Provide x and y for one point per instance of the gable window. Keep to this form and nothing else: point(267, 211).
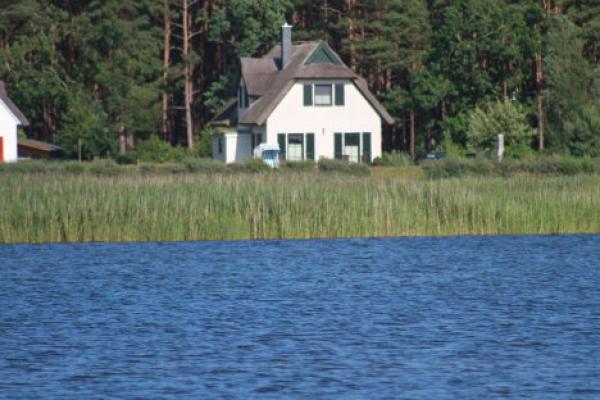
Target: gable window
point(243, 100)
point(323, 95)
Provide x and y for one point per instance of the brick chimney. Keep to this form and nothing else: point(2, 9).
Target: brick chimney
point(286, 45)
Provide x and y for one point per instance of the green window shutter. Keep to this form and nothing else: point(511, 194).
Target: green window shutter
point(367, 147)
point(340, 97)
point(308, 95)
point(281, 142)
point(310, 146)
point(338, 146)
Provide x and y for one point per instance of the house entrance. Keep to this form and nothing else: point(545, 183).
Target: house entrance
point(1, 149)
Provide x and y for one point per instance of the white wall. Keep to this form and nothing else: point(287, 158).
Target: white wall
point(8, 131)
point(236, 147)
point(357, 115)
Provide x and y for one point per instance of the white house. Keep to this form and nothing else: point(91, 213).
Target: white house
point(10, 118)
point(305, 99)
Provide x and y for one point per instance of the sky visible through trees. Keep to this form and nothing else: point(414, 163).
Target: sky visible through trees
point(112, 74)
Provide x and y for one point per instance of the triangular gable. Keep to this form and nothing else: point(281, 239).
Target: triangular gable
point(6, 109)
point(323, 55)
point(10, 107)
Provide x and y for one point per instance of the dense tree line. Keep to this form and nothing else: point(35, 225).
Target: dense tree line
point(107, 74)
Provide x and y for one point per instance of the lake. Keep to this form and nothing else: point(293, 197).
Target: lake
point(514, 317)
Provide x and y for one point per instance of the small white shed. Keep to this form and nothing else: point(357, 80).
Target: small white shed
point(10, 118)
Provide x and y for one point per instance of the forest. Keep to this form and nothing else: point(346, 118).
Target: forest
point(107, 76)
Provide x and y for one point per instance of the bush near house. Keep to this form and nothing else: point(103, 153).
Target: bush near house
point(549, 165)
point(337, 166)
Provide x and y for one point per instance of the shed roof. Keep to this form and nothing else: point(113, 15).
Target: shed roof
point(39, 145)
point(11, 106)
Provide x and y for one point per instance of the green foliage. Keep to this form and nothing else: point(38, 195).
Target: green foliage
point(203, 147)
point(304, 166)
point(105, 167)
point(74, 167)
point(204, 165)
point(569, 83)
point(396, 159)
point(85, 123)
point(500, 118)
point(155, 150)
point(548, 165)
point(251, 166)
point(342, 167)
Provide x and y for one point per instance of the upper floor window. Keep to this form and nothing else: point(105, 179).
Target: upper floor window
point(324, 94)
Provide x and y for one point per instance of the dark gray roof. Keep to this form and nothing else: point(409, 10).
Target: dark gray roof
point(264, 80)
point(11, 106)
point(283, 80)
point(227, 115)
point(325, 71)
point(258, 74)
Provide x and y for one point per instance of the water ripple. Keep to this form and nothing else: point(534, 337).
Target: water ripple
point(515, 317)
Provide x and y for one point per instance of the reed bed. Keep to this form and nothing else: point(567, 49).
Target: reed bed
point(81, 208)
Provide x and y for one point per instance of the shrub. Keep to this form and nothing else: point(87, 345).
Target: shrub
point(204, 165)
point(304, 166)
point(149, 168)
point(252, 166)
point(176, 168)
point(338, 166)
point(105, 167)
point(31, 167)
point(378, 162)
point(74, 167)
point(396, 159)
point(500, 117)
point(559, 165)
point(552, 165)
point(155, 150)
point(126, 159)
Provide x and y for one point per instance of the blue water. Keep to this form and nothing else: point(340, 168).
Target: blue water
point(427, 318)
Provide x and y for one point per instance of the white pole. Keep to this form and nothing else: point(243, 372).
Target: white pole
point(500, 147)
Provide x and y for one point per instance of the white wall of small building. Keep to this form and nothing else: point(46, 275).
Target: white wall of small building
point(8, 131)
point(356, 115)
point(235, 147)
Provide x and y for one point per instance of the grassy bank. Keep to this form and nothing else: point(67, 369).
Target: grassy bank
point(138, 207)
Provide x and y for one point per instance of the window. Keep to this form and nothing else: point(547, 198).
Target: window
point(243, 100)
point(295, 148)
point(348, 146)
point(352, 146)
point(323, 95)
point(220, 145)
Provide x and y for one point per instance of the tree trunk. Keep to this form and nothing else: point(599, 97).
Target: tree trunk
point(166, 63)
point(539, 79)
point(122, 140)
point(412, 135)
point(350, 33)
point(189, 84)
